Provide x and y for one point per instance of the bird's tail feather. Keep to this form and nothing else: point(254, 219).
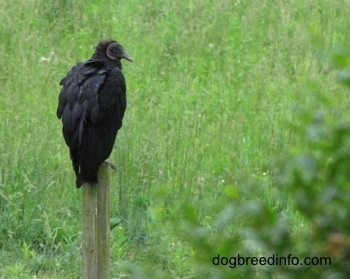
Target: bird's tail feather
point(79, 182)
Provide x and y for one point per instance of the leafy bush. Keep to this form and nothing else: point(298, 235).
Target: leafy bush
point(311, 185)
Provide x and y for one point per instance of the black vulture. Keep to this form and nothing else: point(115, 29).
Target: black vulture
point(91, 104)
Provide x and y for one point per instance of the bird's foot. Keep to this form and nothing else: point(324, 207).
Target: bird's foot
point(112, 165)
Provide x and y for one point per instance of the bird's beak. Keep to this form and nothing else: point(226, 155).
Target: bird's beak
point(127, 56)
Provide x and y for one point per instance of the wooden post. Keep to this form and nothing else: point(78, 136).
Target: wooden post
point(96, 227)
point(103, 226)
point(89, 232)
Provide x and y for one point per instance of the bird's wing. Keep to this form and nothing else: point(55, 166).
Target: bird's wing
point(112, 99)
point(78, 100)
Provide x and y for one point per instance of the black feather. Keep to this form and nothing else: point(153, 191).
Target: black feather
point(91, 104)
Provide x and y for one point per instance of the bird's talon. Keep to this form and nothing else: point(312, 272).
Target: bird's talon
point(112, 165)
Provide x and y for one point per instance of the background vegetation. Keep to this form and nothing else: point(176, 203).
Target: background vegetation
point(235, 138)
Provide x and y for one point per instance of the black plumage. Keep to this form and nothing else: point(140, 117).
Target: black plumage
point(91, 104)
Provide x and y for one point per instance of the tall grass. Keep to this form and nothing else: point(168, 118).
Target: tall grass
point(211, 99)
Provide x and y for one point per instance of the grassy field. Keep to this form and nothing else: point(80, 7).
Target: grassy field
point(213, 96)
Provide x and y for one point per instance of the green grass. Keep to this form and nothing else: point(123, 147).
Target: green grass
point(212, 98)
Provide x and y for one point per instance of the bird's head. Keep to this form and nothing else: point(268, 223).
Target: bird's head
point(111, 50)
